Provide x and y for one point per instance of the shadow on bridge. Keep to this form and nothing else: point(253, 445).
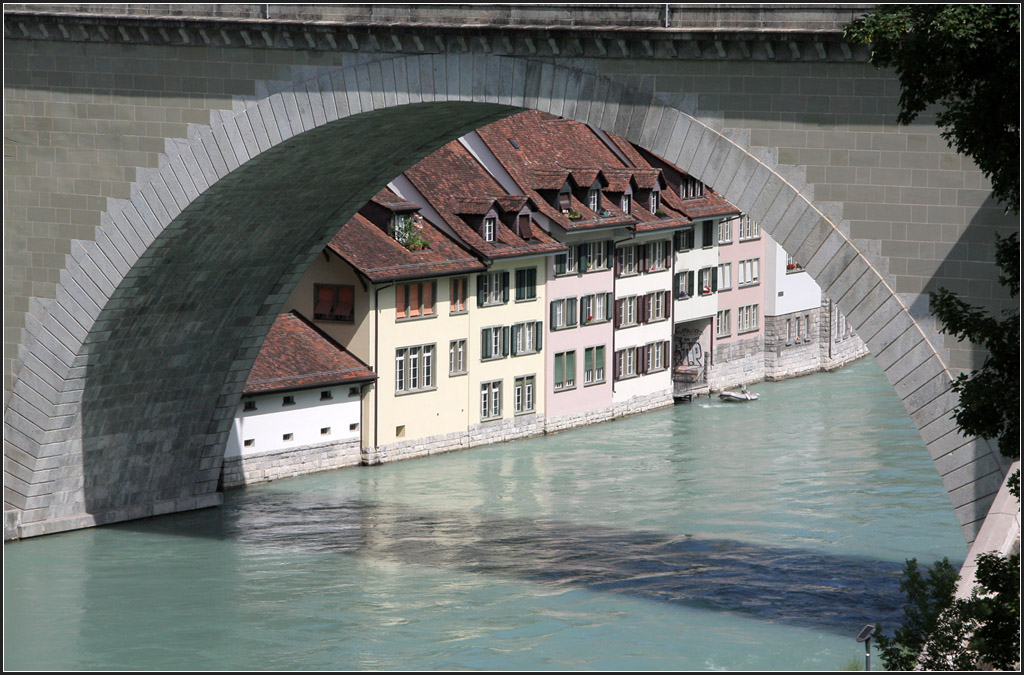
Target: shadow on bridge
point(788, 585)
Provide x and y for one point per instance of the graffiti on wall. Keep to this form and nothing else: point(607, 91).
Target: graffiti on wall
point(687, 349)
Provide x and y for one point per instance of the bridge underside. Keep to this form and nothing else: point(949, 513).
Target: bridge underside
point(131, 372)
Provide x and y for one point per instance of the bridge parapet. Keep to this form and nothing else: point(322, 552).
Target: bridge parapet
point(730, 32)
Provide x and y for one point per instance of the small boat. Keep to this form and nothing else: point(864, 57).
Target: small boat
point(739, 396)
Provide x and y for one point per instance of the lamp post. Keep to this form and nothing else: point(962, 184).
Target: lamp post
point(865, 636)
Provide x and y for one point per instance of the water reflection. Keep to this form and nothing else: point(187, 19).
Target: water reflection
point(837, 593)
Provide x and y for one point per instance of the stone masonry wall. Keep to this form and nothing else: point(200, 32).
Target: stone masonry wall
point(736, 363)
point(510, 429)
point(837, 348)
point(269, 466)
point(786, 355)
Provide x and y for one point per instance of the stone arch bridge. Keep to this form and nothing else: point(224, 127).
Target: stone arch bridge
point(169, 178)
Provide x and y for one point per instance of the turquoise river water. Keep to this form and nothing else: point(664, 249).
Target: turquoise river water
point(706, 536)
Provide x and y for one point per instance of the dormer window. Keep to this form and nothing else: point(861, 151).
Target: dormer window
point(690, 188)
point(655, 201)
point(523, 225)
point(490, 226)
point(627, 203)
point(594, 199)
point(564, 198)
point(401, 227)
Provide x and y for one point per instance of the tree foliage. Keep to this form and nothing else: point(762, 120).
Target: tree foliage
point(966, 59)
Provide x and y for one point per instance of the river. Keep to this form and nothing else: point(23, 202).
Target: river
point(705, 536)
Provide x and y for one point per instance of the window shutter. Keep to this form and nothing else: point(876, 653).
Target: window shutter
point(559, 369)
point(520, 285)
point(668, 304)
point(676, 238)
point(480, 289)
point(714, 279)
point(618, 313)
point(504, 340)
point(668, 254)
point(676, 284)
point(570, 365)
point(665, 355)
point(539, 336)
point(516, 332)
point(485, 346)
point(641, 254)
point(616, 366)
point(588, 360)
point(560, 263)
point(641, 308)
point(642, 357)
point(551, 311)
point(689, 283)
point(570, 311)
point(608, 304)
point(609, 252)
point(504, 286)
point(583, 310)
point(531, 277)
point(581, 258)
point(618, 263)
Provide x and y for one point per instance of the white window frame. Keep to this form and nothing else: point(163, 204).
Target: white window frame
point(490, 228)
point(627, 203)
point(524, 336)
point(655, 201)
point(655, 355)
point(494, 293)
point(723, 323)
point(749, 229)
point(725, 231)
point(749, 272)
point(595, 262)
point(628, 262)
point(656, 309)
point(524, 394)
point(625, 361)
point(656, 257)
point(724, 276)
point(457, 357)
point(570, 262)
point(747, 318)
point(414, 369)
point(490, 400)
point(594, 200)
point(596, 375)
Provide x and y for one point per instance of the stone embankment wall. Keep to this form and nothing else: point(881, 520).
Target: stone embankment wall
point(780, 354)
point(250, 469)
point(240, 471)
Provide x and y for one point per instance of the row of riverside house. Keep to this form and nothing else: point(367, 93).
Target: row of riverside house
point(568, 277)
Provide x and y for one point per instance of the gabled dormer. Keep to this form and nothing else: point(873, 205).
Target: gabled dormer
point(481, 214)
point(516, 212)
point(589, 185)
point(649, 183)
point(394, 215)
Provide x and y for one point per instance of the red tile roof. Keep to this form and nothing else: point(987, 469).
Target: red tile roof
point(710, 205)
point(380, 258)
point(455, 184)
point(550, 149)
point(298, 355)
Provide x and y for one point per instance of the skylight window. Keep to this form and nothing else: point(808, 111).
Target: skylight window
point(513, 142)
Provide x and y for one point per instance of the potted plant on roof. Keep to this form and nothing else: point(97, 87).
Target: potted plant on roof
point(660, 213)
point(574, 214)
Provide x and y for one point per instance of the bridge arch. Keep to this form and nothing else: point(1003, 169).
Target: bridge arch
point(131, 375)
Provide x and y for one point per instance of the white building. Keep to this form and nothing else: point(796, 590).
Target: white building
point(300, 409)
